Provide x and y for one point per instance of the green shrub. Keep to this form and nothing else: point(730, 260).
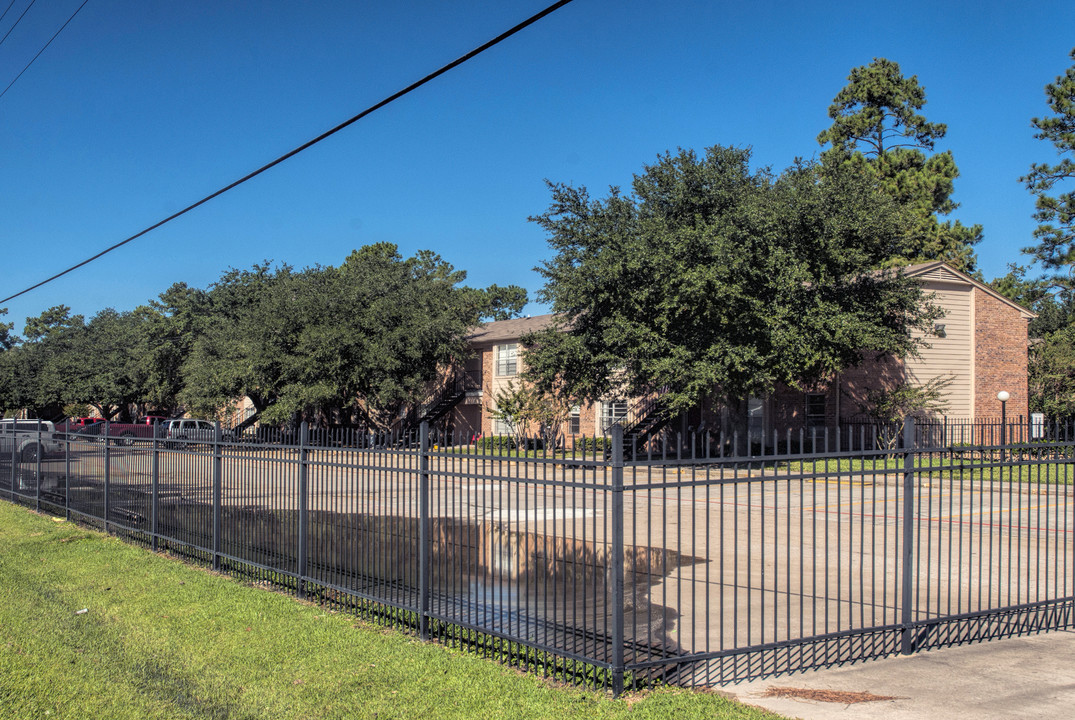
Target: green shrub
point(495, 444)
point(591, 444)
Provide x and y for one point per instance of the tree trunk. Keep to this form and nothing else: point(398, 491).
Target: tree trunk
point(737, 426)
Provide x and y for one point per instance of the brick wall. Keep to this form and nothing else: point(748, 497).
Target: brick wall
point(787, 406)
point(487, 389)
point(872, 375)
point(1000, 356)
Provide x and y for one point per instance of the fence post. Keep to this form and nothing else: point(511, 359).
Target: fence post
point(425, 549)
point(14, 454)
point(108, 472)
point(67, 473)
point(37, 469)
point(218, 495)
point(906, 634)
point(304, 440)
point(155, 496)
point(616, 562)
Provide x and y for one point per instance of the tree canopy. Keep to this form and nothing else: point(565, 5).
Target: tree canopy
point(1055, 308)
point(712, 279)
point(352, 343)
point(7, 341)
point(1055, 208)
point(35, 367)
point(100, 366)
point(65, 361)
point(1052, 374)
point(169, 328)
point(379, 328)
point(877, 125)
point(6, 338)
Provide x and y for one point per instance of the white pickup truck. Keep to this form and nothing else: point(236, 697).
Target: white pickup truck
point(28, 439)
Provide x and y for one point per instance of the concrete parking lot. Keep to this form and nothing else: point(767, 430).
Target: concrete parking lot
point(1015, 678)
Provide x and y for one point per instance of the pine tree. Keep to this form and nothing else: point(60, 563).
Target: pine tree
point(876, 124)
point(1056, 213)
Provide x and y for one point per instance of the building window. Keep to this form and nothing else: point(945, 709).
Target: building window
point(815, 410)
point(502, 427)
point(574, 421)
point(507, 359)
point(756, 416)
point(612, 412)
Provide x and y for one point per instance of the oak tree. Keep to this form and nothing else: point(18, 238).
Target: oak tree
point(709, 279)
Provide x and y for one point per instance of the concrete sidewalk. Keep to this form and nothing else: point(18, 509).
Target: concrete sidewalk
point(1022, 677)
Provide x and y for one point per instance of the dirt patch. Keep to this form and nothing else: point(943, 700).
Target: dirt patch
point(842, 697)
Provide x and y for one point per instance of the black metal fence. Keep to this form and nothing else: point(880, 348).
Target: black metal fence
point(944, 431)
point(609, 565)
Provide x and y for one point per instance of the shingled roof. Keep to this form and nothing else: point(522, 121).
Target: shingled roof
point(507, 330)
point(504, 330)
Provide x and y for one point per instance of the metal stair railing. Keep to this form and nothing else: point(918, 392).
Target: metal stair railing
point(442, 399)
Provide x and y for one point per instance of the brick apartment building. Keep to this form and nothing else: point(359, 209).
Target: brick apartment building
point(980, 346)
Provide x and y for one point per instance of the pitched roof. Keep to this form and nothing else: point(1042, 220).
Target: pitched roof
point(508, 330)
point(513, 329)
point(941, 271)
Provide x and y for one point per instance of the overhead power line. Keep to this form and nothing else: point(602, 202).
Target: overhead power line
point(2, 94)
point(17, 21)
point(288, 155)
point(6, 10)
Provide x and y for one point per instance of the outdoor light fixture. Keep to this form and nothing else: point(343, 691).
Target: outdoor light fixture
point(938, 330)
point(1003, 396)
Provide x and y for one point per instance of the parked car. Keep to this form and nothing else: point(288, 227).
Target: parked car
point(76, 424)
point(151, 420)
point(28, 439)
point(124, 433)
point(183, 431)
point(140, 429)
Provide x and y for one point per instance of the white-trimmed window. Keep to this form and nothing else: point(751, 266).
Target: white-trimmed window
point(507, 359)
point(612, 412)
point(574, 421)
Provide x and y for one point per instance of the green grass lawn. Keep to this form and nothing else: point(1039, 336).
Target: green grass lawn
point(974, 466)
point(95, 628)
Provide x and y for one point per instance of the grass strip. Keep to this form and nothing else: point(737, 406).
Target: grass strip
point(95, 628)
point(978, 467)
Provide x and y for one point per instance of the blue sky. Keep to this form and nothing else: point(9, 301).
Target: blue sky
point(139, 109)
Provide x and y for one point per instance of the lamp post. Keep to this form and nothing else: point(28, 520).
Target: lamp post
point(1003, 396)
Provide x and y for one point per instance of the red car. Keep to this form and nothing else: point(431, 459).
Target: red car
point(76, 424)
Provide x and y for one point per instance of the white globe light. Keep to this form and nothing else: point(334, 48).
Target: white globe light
point(1003, 395)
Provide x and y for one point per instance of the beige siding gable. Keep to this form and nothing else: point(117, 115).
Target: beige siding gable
point(939, 272)
point(952, 355)
point(942, 273)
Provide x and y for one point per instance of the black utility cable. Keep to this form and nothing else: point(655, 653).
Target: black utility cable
point(414, 86)
point(17, 21)
point(9, 5)
point(2, 94)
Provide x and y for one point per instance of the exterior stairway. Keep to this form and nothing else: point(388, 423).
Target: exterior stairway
point(441, 401)
point(643, 423)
